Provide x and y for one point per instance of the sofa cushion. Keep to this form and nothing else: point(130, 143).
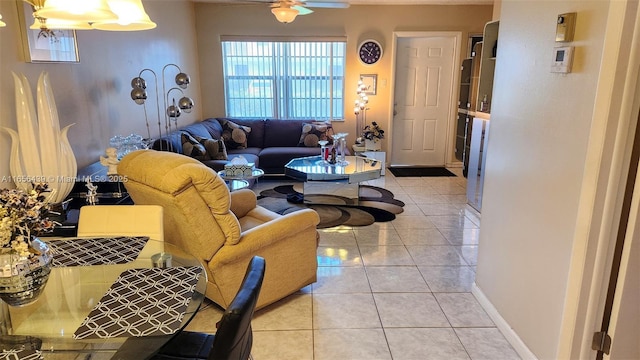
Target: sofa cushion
point(255, 137)
point(171, 142)
point(197, 129)
point(282, 133)
point(215, 148)
point(249, 150)
point(314, 132)
point(235, 136)
point(273, 159)
point(213, 127)
point(192, 147)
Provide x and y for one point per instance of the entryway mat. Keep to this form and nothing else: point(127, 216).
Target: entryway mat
point(412, 171)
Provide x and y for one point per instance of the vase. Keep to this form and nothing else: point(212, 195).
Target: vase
point(372, 145)
point(22, 279)
point(40, 150)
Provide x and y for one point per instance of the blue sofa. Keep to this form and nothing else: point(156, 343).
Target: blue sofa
point(271, 143)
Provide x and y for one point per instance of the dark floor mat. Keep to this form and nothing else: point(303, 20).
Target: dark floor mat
point(399, 171)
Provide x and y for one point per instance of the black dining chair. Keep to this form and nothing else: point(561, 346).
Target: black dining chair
point(233, 339)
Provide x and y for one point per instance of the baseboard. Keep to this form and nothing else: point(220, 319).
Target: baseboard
point(506, 330)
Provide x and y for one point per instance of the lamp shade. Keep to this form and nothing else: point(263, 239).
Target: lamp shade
point(85, 10)
point(57, 24)
point(139, 95)
point(131, 17)
point(183, 80)
point(285, 14)
point(173, 111)
point(138, 82)
point(186, 104)
point(2, 22)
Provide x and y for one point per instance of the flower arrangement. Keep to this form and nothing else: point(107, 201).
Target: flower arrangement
point(373, 132)
point(23, 214)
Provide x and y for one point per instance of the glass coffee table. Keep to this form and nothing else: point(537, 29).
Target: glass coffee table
point(321, 178)
point(237, 182)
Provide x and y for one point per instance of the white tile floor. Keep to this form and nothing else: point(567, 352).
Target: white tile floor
point(395, 290)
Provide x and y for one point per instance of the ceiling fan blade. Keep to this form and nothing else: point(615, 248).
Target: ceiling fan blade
point(327, 4)
point(302, 10)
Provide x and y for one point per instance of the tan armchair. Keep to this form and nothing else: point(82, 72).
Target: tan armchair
point(224, 230)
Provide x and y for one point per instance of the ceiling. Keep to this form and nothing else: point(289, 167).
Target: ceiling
point(377, 2)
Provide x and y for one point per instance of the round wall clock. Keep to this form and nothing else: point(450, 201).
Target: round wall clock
point(369, 52)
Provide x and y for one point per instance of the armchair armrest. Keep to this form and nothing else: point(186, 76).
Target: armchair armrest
point(268, 233)
point(243, 201)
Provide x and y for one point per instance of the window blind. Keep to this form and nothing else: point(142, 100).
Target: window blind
point(284, 79)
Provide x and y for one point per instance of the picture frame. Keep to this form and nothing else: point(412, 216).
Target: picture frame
point(370, 82)
point(45, 49)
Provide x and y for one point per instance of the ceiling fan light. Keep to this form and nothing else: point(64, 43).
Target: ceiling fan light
point(285, 14)
point(85, 10)
point(131, 17)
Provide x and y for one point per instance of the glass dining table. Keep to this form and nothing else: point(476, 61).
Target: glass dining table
point(66, 322)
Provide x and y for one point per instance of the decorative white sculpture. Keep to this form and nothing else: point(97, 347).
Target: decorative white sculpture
point(40, 151)
point(92, 193)
point(111, 161)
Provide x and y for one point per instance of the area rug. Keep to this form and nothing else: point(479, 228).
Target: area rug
point(375, 205)
point(400, 171)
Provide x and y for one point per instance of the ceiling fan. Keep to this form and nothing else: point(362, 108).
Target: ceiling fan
point(286, 11)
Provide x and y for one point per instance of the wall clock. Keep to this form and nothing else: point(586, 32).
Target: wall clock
point(369, 52)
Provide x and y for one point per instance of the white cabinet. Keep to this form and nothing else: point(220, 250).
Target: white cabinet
point(487, 66)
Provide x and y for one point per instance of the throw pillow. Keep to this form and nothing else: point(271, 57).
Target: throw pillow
point(215, 148)
point(314, 132)
point(234, 135)
point(191, 147)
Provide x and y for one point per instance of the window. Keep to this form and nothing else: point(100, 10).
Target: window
point(284, 79)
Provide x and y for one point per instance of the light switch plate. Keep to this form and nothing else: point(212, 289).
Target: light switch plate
point(565, 27)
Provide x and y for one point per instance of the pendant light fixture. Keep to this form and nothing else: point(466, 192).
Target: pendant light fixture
point(114, 15)
point(85, 10)
point(57, 24)
point(131, 17)
point(284, 14)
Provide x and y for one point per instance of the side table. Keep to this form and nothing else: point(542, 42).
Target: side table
point(236, 182)
point(378, 155)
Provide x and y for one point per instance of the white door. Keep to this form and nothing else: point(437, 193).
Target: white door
point(423, 99)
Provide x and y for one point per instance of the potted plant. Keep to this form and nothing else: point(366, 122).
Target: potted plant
point(25, 260)
point(372, 135)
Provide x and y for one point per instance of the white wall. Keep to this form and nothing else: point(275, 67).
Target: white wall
point(537, 151)
point(94, 94)
point(356, 23)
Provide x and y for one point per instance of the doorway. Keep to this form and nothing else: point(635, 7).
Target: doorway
point(424, 100)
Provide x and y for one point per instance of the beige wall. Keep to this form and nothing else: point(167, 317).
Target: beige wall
point(356, 23)
point(541, 126)
point(94, 94)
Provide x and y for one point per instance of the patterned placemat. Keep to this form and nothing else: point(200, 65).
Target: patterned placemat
point(96, 251)
point(142, 302)
point(26, 354)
